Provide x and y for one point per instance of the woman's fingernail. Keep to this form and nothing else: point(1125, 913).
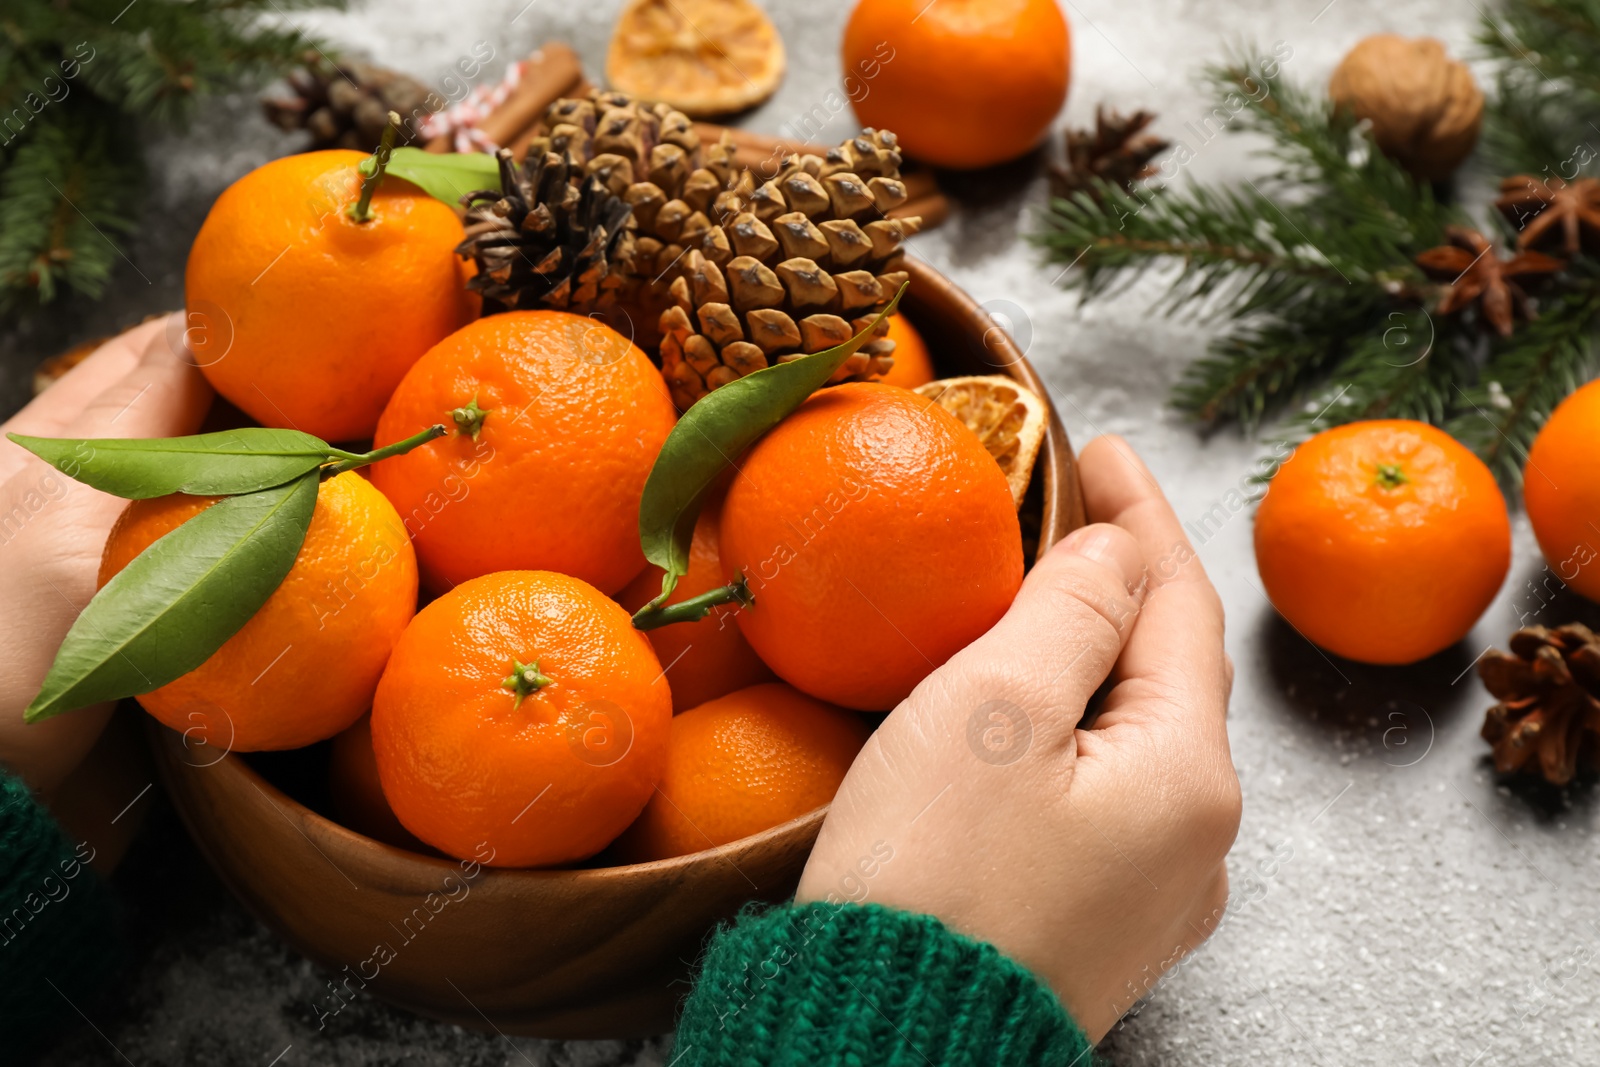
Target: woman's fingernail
point(1093, 542)
point(1113, 549)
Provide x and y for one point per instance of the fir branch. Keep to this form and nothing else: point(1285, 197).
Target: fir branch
point(1265, 363)
point(1331, 165)
point(1358, 218)
point(1233, 243)
point(1531, 130)
point(67, 195)
point(1382, 378)
point(1547, 90)
point(1309, 262)
point(172, 54)
point(1527, 376)
point(74, 77)
point(1558, 39)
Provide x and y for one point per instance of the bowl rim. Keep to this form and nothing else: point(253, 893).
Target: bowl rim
point(246, 775)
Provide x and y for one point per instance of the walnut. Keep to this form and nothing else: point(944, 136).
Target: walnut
point(1424, 107)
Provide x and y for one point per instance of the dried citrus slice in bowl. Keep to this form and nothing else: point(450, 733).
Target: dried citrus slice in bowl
point(703, 57)
point(1008, 419)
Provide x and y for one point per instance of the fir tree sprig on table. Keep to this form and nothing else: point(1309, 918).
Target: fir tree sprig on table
point(1311, 270)
point(1540, 121)
point(1306, 263)
point(76, 82)
point(1531, 372)
point(1547, 87)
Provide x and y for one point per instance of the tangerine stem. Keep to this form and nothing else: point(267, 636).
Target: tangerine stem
point(695, 608)
point(361, 210)
point(524, 681)
point(399, 448)
point(1390, 476)
point(469, 417)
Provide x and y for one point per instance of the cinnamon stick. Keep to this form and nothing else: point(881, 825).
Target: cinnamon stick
point(519, 144)
point(919, 183)
point(933, 208)
point(552, 72)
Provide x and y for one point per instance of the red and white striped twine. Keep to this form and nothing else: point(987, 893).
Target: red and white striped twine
point(460, 122)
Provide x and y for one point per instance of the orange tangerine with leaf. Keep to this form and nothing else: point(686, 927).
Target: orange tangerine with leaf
point(709, 657)
point(306, 314)
point(305, 666)
point(878, 537)
point(556, 421)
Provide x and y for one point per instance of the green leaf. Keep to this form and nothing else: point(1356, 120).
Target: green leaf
point(714, 432)
point(210, 464)
point(446, 176)
point(179, 600)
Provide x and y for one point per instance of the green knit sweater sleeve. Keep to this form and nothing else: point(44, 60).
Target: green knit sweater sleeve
point(59, 940)
point(864, 984)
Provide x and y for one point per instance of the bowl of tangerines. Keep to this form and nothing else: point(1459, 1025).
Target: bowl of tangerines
point(564, 528)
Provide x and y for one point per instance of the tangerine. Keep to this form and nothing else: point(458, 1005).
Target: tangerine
point(357, 794)
point(305, 665)
point(523, 715)
point(913, 366)
point(1561, 490)
point(1383, 541)
point(743, 763)
point(558, 419)
point(962, 83)
point(878, 537)
point(304, 317)
point(707, 658)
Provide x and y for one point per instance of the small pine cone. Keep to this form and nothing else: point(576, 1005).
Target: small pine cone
point(797, 264)
point(345, 104)
point(550, 236)
point(1548, 718)
point(1118, 150)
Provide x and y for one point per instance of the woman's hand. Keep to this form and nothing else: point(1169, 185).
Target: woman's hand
point(52, 528)
point(1093, 855)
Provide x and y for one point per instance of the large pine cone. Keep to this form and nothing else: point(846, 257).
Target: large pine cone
point(791, 266)
point(651, 157)
point(1548, 718)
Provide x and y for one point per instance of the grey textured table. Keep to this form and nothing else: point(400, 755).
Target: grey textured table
point(1394, 904)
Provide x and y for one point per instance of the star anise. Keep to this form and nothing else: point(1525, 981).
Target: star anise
point(1548, 718)
point(1477, 274)
point(1546, 210)
point(1116, 151)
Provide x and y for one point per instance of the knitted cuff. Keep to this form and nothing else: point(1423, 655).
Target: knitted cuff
point(845, 983)
point(59, 941)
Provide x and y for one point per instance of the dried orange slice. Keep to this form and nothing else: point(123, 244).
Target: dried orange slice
point(1008, 419)
point(703, 57)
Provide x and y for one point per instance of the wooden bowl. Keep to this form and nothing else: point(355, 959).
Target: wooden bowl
point(587, 953)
